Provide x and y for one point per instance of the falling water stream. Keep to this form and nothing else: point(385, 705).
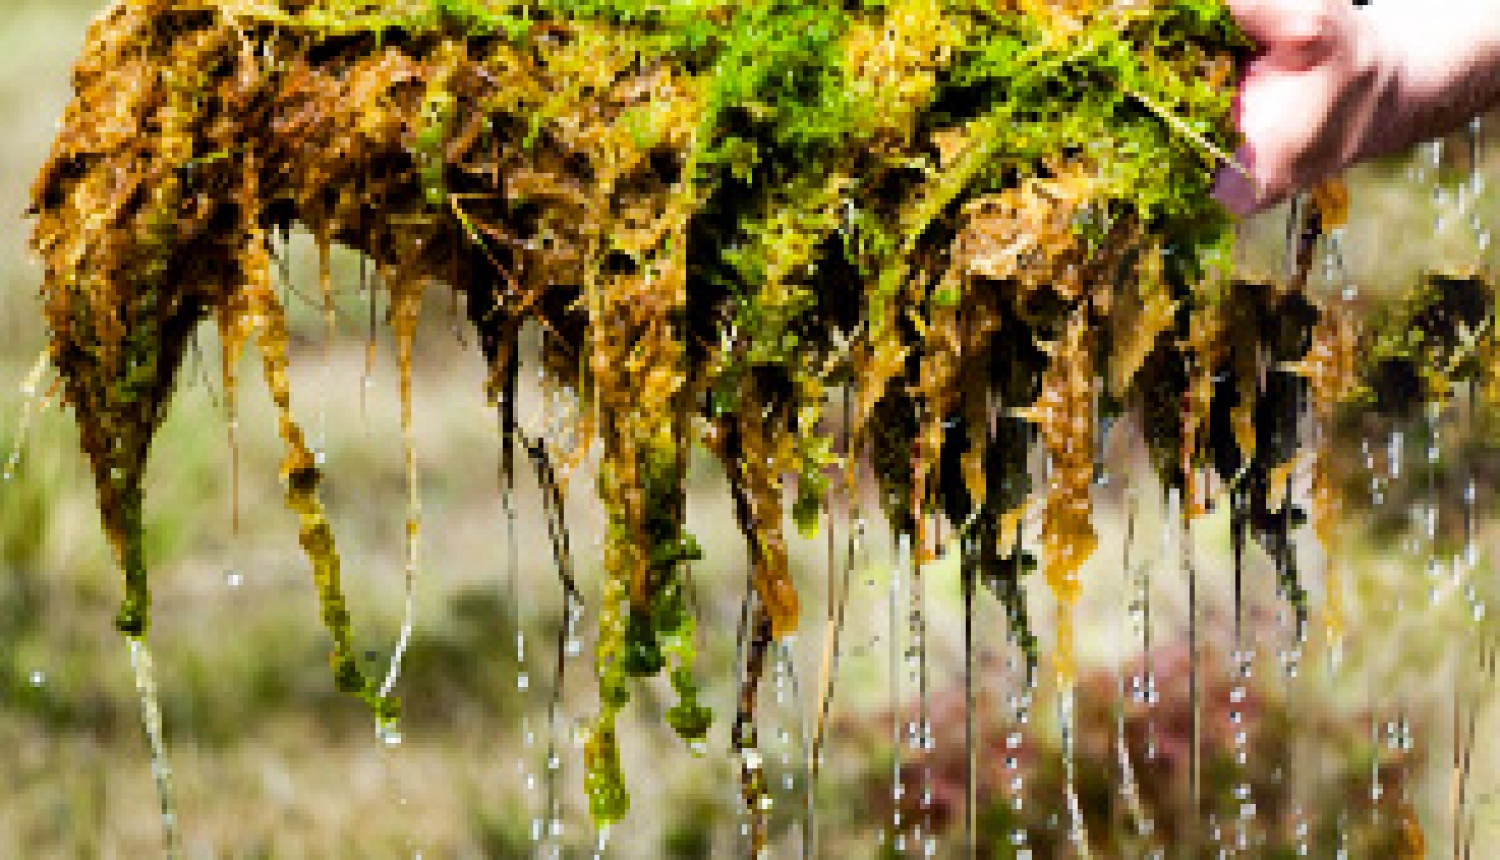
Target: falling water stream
point(31, 391)
point(161, 769)
point(405, 311)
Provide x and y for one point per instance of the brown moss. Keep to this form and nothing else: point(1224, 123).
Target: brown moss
point(715, 218)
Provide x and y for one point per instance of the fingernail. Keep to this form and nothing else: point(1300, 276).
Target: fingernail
point(1238, 192)
point(1233, 191)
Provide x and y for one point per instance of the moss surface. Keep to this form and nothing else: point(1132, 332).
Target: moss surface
point(990, 221)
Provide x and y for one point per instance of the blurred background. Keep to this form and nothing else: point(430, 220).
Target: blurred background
point(271, 762)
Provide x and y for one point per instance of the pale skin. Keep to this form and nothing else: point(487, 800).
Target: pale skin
point(1332, 84)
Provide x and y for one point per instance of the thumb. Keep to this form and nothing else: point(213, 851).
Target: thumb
point(1260, 19)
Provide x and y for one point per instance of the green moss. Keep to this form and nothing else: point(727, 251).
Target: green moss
point(718, 212)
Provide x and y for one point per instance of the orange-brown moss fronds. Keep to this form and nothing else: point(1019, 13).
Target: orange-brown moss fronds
point(121, 305)
point(742, 445)
point(1204, 352)
point(1064, 413)
point(712, 212)
point(300, 475)
point(1332, 370)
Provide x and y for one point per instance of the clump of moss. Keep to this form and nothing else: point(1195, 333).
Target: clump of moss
point(990, 221)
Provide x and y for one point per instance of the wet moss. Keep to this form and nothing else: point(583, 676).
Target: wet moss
point(990, 221)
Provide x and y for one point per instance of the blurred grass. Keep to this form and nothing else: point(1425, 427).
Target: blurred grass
point(272, 763)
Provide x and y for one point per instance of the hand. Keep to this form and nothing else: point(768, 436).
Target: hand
point(1306, 99)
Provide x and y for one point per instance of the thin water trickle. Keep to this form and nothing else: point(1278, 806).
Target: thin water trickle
point(1068, 725)
point(161, 769)
point(839, 576)
point(1243, 659)
point(406, 306)
point(790, 780)
point(921, 730)
point(330, 332)
point(1195, 756)
point(1020, 707)
point(1135, 591)
point(969, 575)
point(895, 602)
point(30, 391)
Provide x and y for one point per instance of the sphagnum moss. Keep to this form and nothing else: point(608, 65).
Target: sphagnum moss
point(989, 221)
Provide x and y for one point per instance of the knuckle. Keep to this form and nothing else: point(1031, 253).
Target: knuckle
point(1310, 28)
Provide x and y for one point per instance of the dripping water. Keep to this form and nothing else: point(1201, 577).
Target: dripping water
point(1244, 657)
point(1290, 589)
point(1145, 683)
point(1471, 542)
point(1376, 500)
point(557, 530)
point(29, 410)
point(1481, 242)
point(1020, 705)
point(838, 597)
point(742, 647)
point(393, 672)
point(788, 691)
point(325, 285)
point(506, 397)
point(1463, 751)
point(969, 576)
point(1184, 523)
point(1476, 184)
point(368, 285)
point(231, 341)
point(757, 800)
point(780, 738)
point(1129, 790)
point(1464, 740)
point(407, 311)
point(161, 769)
point(1067, 717)
point(903, 558)
point(919, 733)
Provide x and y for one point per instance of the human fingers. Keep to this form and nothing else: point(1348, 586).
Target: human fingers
point(1292, 34)
point(1286, 122)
